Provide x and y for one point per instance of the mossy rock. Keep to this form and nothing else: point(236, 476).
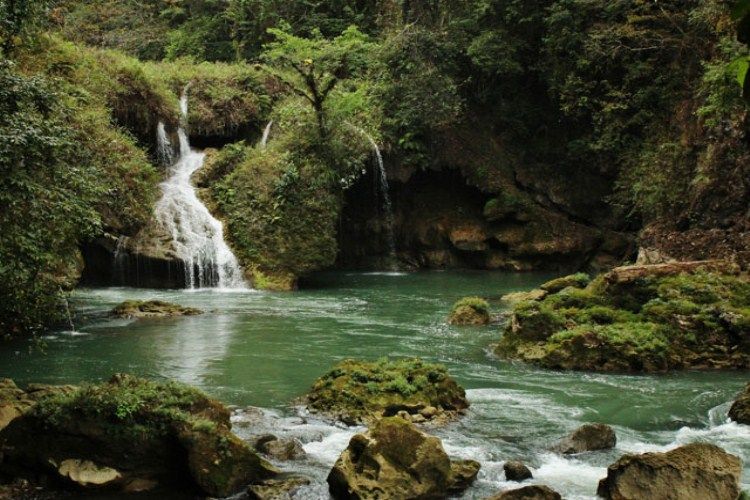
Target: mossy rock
point(639, 322)
point(141, 433)
point(358, 392)
point(740, 410)
point(518, 297)
point(152, 309)
point(394, 459)
point(470, 311)
point(580, 280)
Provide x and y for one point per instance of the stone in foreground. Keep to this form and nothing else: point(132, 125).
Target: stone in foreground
point(588, 437)
point(394, 459)
point(516, 471)
point(358, 392)
point(533, 492)
point(130, 435)
point(696, 471)
point(152, 309)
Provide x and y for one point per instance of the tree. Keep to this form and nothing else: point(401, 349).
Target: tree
point(18, 17)
point(741, 14)
point(313, 67)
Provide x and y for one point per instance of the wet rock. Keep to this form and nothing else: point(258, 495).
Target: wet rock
point(516, 297)
point(579, 280)
point(394, 459)
point(280, 488)
point(86, 473)
point(533, 492)
point(469, 237)
point(690, 472)
point(516, 471)
point(470, 311)
point(588, 437)
point(739, 412)
point(279, 449)
point(147, 433)
point(15, 401)
point(152, 309)
point(361, 392)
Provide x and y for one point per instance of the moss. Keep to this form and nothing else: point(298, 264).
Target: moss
point(149, 308)
point(358, 391)
point(470, 311)
point(653, 323)
point(579, 280)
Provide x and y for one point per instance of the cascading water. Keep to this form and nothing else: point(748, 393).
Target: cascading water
point(197, 237)
point(164, 151)
point(266, 135)
point(384, 189)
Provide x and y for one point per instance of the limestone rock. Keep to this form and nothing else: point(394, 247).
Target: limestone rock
point(470, 311)
point(696, 471)
point(394, 459)
point(516, 471)
point(469, 238)
point(588, 437)
point(88, 474)
point(356, 392)
point(152, 309)
point(516, 297)
point(740, 410)
point(282, 487)
point(279, 449)
point(533, 492)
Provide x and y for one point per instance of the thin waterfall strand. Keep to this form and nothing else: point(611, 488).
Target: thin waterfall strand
point(266, 135)
point(197, 237)
point(164, 151)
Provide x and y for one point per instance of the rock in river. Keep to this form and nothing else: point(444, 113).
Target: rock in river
point(588, 437)
point(740, 410)
point(130, 434)
point(394, 459)
point(152, 309)
point(362, 392)
point(533, 492)
point(696, 471)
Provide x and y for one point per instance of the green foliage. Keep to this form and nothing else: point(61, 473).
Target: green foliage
point(479, 304)
point(19, 18)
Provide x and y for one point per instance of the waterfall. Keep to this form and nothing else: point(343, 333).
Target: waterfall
point(266, 135)
point(197, 237)
point(164, 151)
point(384, 189)
point(67, 311)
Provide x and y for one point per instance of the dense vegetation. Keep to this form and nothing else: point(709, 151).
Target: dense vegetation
point(620, 115)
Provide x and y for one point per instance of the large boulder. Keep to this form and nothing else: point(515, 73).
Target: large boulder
point(696, 471)
point(740, 410)
point(532, 492)
point(394, 459)
point(131, 434)
point(362, 392)
point(516, 471)
point(470, 311)
point(588, 437)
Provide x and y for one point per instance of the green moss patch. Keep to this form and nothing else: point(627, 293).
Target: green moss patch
point(658, 323)
point(152, 308)
point(470, 311)
point(359, 391)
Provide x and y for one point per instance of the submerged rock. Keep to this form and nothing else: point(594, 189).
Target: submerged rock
point(533, 492)
point(740, 410)
point(152, 309)
point(470, 311)
point(394, 459)
point(588, 437)
point(690, 472)
point(359, 392)
point(131, 434)
point(516, 471)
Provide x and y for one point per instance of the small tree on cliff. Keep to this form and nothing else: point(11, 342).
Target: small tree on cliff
point(313, 67)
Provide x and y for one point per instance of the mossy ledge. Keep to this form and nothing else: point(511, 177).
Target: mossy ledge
point(693, 315)
point(470, 311)
point(144, 434)
point(358, 392)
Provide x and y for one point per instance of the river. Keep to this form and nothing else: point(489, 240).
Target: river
point(265, 349)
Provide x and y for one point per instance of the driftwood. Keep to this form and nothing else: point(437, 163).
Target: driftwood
point(628, 274)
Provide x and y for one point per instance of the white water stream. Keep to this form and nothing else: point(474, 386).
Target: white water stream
point(266, 135)
point(197, 236)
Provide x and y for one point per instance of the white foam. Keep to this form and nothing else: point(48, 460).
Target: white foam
point(327, 450)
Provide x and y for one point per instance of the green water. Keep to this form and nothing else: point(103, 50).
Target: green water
point(265, 350)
